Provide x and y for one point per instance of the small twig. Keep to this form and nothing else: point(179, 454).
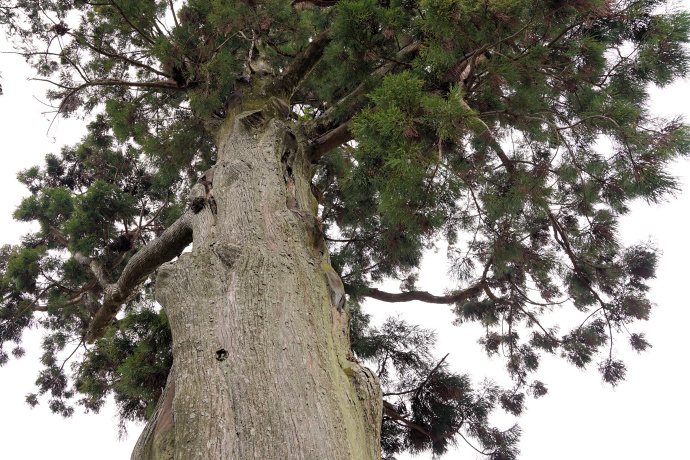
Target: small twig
point(420, 387)
point(14, 318)
point(389, 409)
point(71, 354)
point(174, 15)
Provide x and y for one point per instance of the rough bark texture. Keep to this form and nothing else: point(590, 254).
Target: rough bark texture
point(260, 330)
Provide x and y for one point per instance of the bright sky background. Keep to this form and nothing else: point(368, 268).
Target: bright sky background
point(645, 417)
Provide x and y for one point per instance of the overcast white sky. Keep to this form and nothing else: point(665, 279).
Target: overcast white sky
point(644, 417)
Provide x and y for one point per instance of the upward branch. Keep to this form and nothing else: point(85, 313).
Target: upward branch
point(328, 136)
point(300, 67)
point(163, 249)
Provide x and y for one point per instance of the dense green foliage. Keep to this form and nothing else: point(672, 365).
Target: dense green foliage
point(516, 130)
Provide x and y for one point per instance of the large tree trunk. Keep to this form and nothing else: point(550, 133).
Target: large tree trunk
point(260, 329)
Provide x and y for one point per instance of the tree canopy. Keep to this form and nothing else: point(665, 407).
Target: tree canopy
point(516, 131)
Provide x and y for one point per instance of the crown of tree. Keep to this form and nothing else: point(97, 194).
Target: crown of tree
point(515, 131)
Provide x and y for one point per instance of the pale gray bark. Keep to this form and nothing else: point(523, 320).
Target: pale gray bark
point(260, 335)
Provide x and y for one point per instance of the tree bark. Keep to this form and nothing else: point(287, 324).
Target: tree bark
point(259, 323)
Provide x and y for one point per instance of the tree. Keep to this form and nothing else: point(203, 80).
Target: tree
point(309, 150)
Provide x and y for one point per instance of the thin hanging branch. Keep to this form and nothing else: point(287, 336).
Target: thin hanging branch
point(32, 304)
point(420, 387)
point(131, 24)
point(174, 15)
point(103, 52)
point(390, 411)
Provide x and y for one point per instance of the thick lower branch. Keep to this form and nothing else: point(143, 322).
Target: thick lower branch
point(423, 296)
point(163, 249)
point(332, 139)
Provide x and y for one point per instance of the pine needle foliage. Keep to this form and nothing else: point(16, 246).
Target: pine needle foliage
point(479, 123)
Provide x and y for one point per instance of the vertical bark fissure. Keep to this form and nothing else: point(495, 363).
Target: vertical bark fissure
point(258, 285)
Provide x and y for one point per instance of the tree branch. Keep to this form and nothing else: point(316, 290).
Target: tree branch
point(163, 249)
point(476, 124)
point(59, 236)
point(302, 65)
point(169, 84)
point(390, 411)
point(119, 56)
point(420, 387)
point(131, 24)
point(321, 3)
point(275, 48)
point(403, 54)
point(110, 82)
point(482, 130)
point(332, 139)
point(32, 304)
point(174, 15)
point(323, 125)
point(424, 296)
